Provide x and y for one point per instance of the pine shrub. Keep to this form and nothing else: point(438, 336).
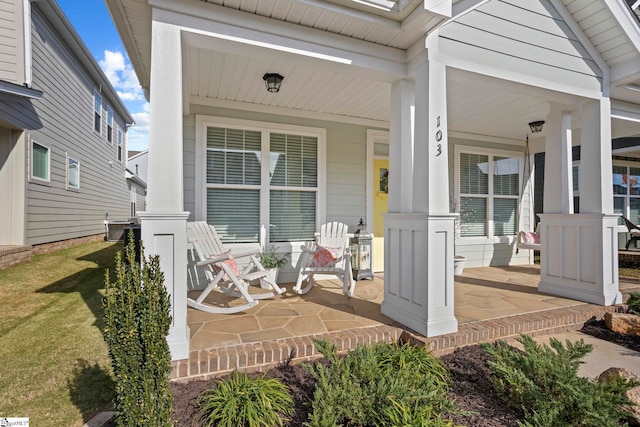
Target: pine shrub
point(137, 319)
point(375, 385)
point(240, 401)
point(543, 382)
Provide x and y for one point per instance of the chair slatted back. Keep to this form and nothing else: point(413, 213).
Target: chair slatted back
point(630, 225)
point(208, 241)
point(334, 235)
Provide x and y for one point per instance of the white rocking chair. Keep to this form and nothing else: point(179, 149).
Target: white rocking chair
point(223, 273)
point(329, 254)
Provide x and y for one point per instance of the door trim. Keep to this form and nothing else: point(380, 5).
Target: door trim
point(380, 137)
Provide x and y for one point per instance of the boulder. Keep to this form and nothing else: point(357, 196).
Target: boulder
point(633, 395)
point(623, 323)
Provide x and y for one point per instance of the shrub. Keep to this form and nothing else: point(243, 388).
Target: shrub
point(240, 401)
point(634, 302)
point(137, 319)
point(373, 384)
point(543, 382)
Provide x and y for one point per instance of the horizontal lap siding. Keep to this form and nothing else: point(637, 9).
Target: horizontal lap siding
point(65, 115)
point(10, 41)
point(528, 37)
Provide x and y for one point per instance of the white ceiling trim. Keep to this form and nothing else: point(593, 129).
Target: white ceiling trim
point(627, 21)
point(268, 109)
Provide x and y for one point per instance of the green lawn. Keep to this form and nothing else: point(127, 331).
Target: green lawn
point(55, 364)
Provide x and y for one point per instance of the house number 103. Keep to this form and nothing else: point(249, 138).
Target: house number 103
point(438, 138)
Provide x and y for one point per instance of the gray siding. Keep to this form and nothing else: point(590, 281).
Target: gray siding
point(66, 126)
point(528, 37)
point(11, 41)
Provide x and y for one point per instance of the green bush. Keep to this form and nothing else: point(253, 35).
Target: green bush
point(137, 319)
point(240, 401)
point(634, 302)
point(543, 382)
point(373, 385)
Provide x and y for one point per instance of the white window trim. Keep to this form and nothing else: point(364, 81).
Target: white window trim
point(469, 149)
point(110, 125)
point(35, 178)
point(202, 122)
point(627, 197)
point(70, 187)
point(93, 118)
point(120, 144)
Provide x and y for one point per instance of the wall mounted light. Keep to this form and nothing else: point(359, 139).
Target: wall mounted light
point(536, 126)
point(272, 81)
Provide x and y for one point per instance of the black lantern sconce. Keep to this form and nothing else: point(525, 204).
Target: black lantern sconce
point(536, 126)
point(273, 81)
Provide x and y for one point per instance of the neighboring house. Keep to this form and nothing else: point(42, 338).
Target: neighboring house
point(62, 131)
point(137, 176)
point(410, 108)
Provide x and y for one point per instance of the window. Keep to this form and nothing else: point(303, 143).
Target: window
point(120, 137)
point(40, 161)
point(73, 173)
point(259, 181)
point(489, 191)
point(109, 124)
point(626, 192)
point(97, 115)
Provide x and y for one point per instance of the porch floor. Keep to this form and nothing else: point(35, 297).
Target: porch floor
point(490, 303)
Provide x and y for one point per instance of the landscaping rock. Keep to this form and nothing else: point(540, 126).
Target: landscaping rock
point(623, 323)
point(633, 395)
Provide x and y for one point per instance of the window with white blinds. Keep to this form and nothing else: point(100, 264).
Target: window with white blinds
point(240, 200)
point(489, 189)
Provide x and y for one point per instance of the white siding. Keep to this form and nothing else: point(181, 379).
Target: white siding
point(527, 37)
point(65, 124)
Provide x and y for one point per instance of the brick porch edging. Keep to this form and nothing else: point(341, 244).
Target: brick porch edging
point(252, 357)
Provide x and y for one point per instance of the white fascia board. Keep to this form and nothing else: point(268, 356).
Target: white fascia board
point(626, 19)
point(625, 72)
point(625, 111)
point(243, 22)
point(289, 39)
point(283, 111)
point(442, 8)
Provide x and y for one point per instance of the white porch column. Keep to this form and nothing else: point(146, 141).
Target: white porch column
point(579, 256)
point(164, 221)
point(418, 289)
point(558, 177)
point(401, 146)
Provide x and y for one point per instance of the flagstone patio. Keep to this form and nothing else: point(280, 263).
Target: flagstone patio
point(490, 303)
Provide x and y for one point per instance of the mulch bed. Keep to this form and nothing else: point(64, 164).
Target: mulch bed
point(471, 388)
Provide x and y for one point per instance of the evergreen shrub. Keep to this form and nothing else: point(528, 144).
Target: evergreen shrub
point(137, 320)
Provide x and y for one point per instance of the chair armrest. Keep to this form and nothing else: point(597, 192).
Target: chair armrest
point(214, 260)
point(246, 253)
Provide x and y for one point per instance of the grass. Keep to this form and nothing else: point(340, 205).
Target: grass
point(55, 363)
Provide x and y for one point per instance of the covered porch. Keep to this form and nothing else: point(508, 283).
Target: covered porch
point(491, 303)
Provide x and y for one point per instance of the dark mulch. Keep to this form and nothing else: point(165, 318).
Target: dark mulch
point(598, 329)
point(471, 390)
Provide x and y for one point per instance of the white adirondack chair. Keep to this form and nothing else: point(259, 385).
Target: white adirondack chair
point(329, 254)
point(222, 273)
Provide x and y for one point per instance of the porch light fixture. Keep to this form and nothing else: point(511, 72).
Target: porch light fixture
point(536, 126)
point(272, 81)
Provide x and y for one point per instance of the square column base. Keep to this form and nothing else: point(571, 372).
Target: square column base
point(418, 279)
point(579, 257)
point(165, 234)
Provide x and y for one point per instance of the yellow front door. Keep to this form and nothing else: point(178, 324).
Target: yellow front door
point(380, 206)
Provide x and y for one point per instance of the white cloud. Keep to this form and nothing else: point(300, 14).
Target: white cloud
point(120, 73)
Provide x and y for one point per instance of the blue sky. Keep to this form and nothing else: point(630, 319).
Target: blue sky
point(92, 21)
